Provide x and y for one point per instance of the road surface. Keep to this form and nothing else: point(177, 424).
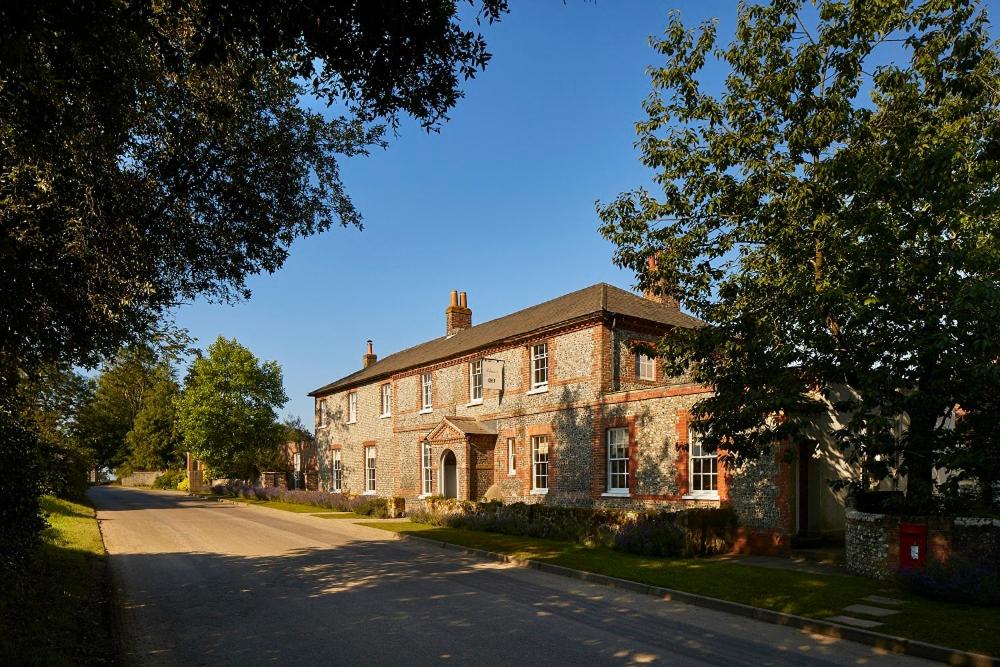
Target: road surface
point(209, 583)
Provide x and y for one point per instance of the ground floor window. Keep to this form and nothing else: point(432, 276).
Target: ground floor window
point(511, 456)
point(618, 460)
point(703, 468)
point(427, 471)
point(369, 470)
point(338, 472)
point(540, 462)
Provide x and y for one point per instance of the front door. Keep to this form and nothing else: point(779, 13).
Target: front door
point(449, 475)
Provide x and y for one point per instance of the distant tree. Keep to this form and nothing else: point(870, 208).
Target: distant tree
point(154, 151)
point(227, 413)
point(120, 389)
point(154, 442)
point(834, 218)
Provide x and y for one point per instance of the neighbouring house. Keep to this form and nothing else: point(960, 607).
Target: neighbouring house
point(551, 404)
point(301, 461)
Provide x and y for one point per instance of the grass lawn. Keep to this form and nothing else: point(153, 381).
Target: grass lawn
point(959, 626)
point(298, 508)
point(59, 612)
point(341, 515)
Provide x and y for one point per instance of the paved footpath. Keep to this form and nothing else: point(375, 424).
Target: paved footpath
point(208, 583)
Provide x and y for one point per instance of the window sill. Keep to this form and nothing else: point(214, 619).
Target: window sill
point(368, 493)
point(616, 494)
point(424, 496)
point(351, 422)
point(512, 473)
point(478, 401)
point(426, 411)
point(701, 496)
point(384, 416)
point(539, 390)
point(539, 492)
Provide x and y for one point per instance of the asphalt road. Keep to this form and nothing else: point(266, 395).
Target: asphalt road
point(207, 583)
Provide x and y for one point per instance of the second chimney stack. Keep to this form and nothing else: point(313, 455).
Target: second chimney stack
point(369, 357)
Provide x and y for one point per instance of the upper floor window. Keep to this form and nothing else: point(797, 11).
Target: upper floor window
point(539, 463)
point(322, 412)
point(618, 460)
point(352, 407)
point(645, 367)
point(297, 461)
point(426, 470)
point(511, 456)
point(370, 469)
point(386, 399)
point(476, 380)
point(539, 365)
point(703, 469)
point(426, 391)
point(338, 472)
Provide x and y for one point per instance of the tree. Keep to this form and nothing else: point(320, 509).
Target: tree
point(120, 391)
point(227, 413)
point(830, 242)
point(154, 442)
point(152, 152)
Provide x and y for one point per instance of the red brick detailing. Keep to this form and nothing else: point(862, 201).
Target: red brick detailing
point(543, 429)
point(681, 463)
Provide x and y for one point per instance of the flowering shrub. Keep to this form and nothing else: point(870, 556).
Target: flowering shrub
point(701, 532)
point(338, 502)
point(960, 579)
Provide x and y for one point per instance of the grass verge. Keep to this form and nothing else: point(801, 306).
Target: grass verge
point(341, 515)
point(964, 627)
point(59, 610)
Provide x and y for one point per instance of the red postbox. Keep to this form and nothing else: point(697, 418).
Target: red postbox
point(912, 546)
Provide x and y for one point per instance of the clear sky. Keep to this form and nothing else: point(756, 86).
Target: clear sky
point(499, 204)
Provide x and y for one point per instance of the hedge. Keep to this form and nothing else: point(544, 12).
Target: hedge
point(339, 502)
point(693, 532)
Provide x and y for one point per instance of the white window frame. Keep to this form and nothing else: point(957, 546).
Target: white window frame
point(616, 458)
point(476, 371)
point(371, 469)
point(322, 413)
point(540, 463)
point(511, 456)
point(426, 392)
point(696, 454)
point(426, 470)
point(352, 407)
point(539, 353)
point(645, 367)
point(337, 463)
point(297, 461)
point(385, 392)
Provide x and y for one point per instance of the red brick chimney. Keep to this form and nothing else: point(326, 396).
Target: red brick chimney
point(458, 315)
point(369, 357)
point(658, 292)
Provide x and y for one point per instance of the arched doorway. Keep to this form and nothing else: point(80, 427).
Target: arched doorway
point(449, 474)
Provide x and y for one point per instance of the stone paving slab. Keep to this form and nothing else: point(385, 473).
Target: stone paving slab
point(869, 610)
point(881, 599)
point(857, 622)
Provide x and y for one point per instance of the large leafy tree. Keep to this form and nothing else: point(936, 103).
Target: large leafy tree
point(227, 413)
point(122, 389)
point(833, 215)
point(154, 443)
point(155, 151)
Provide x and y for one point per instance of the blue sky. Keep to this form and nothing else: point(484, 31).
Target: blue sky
point(499, 204)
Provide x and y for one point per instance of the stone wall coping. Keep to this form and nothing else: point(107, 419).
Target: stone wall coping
point(870, 517)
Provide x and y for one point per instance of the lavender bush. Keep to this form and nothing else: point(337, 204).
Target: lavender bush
point(338, 502)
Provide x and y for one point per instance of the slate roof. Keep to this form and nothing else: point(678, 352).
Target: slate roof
point(599, 299)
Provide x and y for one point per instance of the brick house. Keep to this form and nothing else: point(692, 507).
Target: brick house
point(550, 404)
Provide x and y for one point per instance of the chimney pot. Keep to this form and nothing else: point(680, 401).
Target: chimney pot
point(462, 300)
point(454, 298)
